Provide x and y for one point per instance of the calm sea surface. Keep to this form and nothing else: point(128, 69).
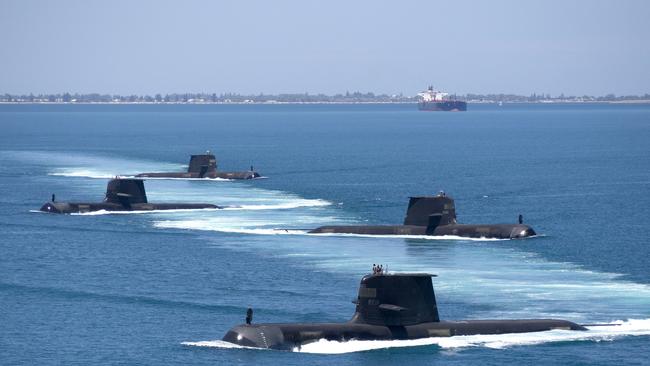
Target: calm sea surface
point(161, 288)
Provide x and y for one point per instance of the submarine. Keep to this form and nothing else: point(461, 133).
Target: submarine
point(435, 216)
point(203, 166)
point(121, 195)
point(393, 306)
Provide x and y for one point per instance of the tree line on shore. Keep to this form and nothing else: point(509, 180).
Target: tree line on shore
point(355, 97)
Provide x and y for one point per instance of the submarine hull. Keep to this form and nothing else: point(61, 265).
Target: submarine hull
point(203, 166)
point(435, 216)
point(372, 230)
point(208, 175)
point(291, 336)
point(71, 207)
point(388, 307)
point(497, 231)
point(121, 195)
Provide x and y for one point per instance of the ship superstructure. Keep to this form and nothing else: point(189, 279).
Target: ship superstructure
point(434, 100)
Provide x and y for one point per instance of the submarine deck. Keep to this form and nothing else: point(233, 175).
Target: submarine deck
point(287, 336)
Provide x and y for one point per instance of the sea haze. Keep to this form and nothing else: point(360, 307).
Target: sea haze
point(164, 287)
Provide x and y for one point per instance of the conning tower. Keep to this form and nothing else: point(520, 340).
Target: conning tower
point(125, 192)
point(396, 300)
point(203, 164)
point(430, 211)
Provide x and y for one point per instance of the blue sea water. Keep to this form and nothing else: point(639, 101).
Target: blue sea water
point(164, 287)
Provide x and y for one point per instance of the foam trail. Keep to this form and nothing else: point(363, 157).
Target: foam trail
point(631, 327)
point(218, 344)
point(100, 167)
point(283, 206)
point(250, 210)
point(250, 224)
point(105, 212)
point(496, 281)
point(261, 231)
point(241, 208)
point(172, 224)
point(102, 174)
point(89, 165)
point(191, 179)
point(81, 173)
point(245, 227)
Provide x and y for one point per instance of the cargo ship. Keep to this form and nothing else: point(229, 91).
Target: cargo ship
point(433, 100)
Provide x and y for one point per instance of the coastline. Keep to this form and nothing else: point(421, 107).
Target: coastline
point(640, 101)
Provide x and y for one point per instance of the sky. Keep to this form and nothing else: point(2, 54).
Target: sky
point(155, 46)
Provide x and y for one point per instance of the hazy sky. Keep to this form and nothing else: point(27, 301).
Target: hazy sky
point(136, 47)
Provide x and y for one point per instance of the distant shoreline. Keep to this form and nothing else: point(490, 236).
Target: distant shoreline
point(640, 101)
point(306, 98)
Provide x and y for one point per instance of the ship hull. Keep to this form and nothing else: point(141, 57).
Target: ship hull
point(495, 231)
point(68, 208)
point(447, 106)
point(291, 336)
point(208, 175)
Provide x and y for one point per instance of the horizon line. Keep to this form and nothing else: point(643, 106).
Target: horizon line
point(345, 94)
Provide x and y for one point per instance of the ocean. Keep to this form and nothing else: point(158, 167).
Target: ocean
point(164, 287)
